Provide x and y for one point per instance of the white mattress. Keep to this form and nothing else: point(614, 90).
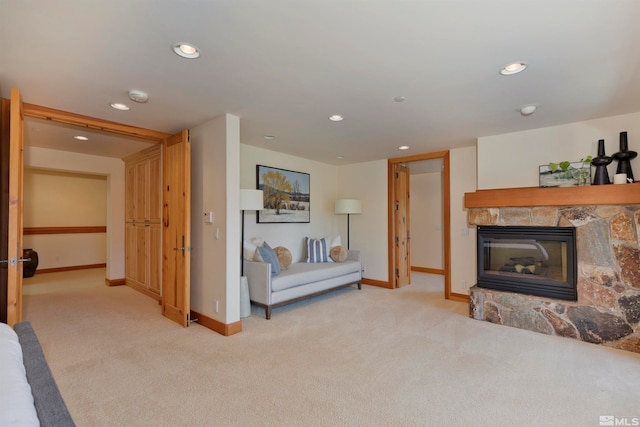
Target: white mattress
point(16, 401)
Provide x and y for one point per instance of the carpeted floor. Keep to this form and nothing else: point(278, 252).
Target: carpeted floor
point(373, 357)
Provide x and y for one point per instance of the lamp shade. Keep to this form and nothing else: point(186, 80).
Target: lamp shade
point(348, 206)
point(251, 200)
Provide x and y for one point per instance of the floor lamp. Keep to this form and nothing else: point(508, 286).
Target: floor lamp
point(250, 200)
point(348, 206)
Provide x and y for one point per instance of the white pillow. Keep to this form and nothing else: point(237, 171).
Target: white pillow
point(336, 242)
point(249, 247)
point(248, 250)
point(16, 400)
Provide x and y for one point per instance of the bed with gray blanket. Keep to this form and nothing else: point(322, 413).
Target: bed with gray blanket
point(29, 395)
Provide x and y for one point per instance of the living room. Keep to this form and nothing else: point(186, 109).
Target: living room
point(426, 76)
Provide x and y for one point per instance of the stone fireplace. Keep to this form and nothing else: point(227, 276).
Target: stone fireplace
point(607, 308)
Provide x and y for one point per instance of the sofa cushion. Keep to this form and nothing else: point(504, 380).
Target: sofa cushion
point(302, 273)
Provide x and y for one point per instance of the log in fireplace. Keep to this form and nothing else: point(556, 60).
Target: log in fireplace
point(529, 260)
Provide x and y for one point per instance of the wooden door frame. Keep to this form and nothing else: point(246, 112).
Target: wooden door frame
point(446, 214)
point(64, 117)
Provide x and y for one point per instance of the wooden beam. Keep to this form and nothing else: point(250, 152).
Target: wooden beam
point(39, 112)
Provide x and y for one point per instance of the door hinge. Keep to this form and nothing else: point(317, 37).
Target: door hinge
point(397, 273)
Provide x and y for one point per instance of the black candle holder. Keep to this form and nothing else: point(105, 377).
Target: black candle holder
point(600, 162)
point(624, 157)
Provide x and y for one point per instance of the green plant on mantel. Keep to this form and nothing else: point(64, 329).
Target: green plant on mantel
point(580, 174)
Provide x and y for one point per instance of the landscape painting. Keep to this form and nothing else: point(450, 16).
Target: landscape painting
point(286, 195)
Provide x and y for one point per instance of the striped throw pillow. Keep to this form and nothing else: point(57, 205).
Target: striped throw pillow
point(317, 250)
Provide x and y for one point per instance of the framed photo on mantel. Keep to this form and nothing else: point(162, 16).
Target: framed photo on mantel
point(286, 195)
point(576, 174)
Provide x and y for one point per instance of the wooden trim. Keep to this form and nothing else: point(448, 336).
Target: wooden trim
point(446, 224)
point(420, 157)
point(225, 329)
point(428, 270)
point(69, 268)
point(115, 282)
point(628, 194)
point(378, 283)
point(391, 229)
point(65, 230)
point(459, 297)
point(39, 112)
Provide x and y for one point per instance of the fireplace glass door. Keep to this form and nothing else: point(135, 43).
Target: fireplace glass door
point(532, 260)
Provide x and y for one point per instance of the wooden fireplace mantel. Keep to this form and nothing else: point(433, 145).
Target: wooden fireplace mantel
point(628, 194)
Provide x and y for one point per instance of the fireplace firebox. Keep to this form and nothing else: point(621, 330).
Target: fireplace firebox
point(528, 260)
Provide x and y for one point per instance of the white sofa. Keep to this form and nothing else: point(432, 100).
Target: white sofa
point(301, 280)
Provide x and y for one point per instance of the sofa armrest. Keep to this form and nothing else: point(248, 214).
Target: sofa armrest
point(259, 277)
point(354, 255)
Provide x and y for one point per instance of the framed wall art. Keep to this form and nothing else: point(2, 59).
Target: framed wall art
point(565, 175)
point(286, 195)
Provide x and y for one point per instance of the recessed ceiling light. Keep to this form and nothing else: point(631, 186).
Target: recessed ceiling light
point(403, 147)
point(528, 110)
point(336, 118)
point(399, 99)
point(81, 138)
point(340, 157)
point(119, 106)
point(269, 137)
point(138, 96)
point(186, 50)
point(513, 68)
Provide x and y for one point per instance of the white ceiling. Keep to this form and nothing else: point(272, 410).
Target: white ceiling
point(284, 66)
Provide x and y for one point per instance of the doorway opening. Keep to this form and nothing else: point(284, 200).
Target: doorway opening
point(399, 206)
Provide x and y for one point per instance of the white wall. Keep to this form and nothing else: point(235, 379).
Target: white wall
point(113, 169)
point(426, 220)
point(215, 183)
point(64, 199)
point(512, 160)
point(369, 230)
point(323, 181)
point(462, 164)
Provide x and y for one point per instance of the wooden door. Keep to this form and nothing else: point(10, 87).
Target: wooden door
point(155, 189)
point(14, 208)
point(154, 237)
point(402, 226)
point(130, 193)
point(141, 192)
point(176, 227)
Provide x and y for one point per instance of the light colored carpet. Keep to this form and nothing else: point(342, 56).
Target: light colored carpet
point(373, 357)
